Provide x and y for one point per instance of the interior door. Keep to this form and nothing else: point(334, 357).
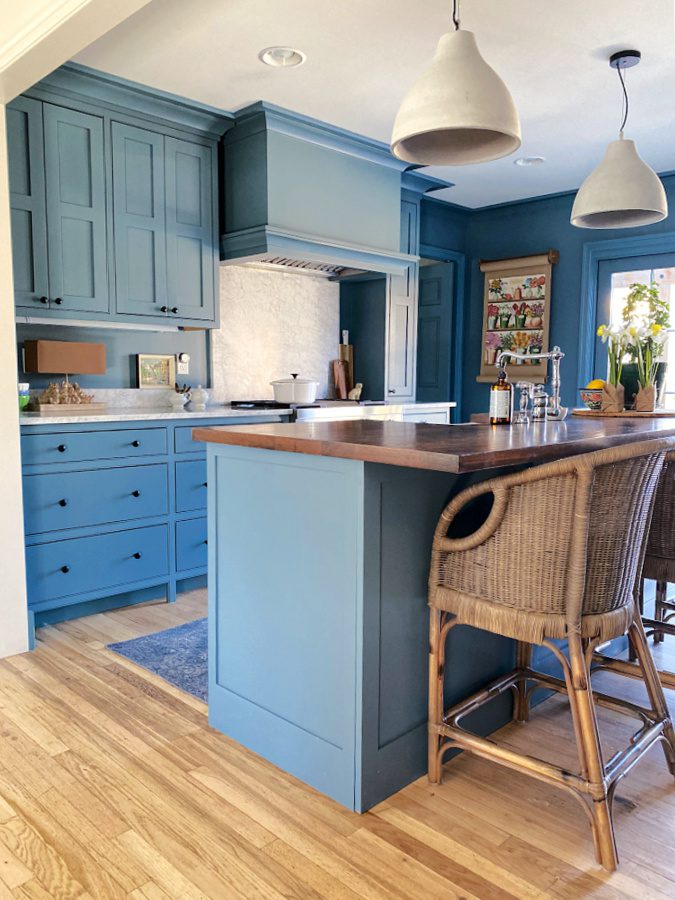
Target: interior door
point(139, 221)
point(76, 219)
point(434, 327)
point(190, 235)
point(27, 201)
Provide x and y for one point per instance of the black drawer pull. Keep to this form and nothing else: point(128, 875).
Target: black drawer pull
point(206, 484)
point(135, 493)
point(58, 301)
point(174, 310)
point(137, 555)
point(206, 541)
point(65, 569)
point(135, 443)
point(63, 502)
point(62, 448)
point(164, 309)
point(44, 300)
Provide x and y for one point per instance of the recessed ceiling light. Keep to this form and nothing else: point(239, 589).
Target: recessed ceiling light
point(529, 160)
point(282, 57)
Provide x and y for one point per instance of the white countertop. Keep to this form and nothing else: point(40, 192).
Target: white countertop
point(120, 414)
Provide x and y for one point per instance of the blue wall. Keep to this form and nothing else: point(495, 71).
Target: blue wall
point(521, 229)
point(121, 349)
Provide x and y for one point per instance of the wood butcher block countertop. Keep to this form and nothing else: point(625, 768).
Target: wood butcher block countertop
point(443, 448)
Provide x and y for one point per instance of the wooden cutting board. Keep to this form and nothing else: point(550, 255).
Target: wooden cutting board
point(626, 414)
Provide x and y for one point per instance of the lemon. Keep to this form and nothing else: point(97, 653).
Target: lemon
point(595, 385)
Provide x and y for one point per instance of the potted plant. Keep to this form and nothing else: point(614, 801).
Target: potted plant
point(646, 316)
point(504, 317)
point(519, 314)
point(492, 313)
point(616, 338)
point(493, 343)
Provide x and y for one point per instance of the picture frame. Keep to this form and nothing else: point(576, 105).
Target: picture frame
point(516, 314)
point(156, 371)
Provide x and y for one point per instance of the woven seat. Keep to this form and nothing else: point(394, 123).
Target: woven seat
point(659, 562)
point(559, 556)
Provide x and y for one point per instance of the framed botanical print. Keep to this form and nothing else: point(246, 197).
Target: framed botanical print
point(516, 315)
point(156, 370)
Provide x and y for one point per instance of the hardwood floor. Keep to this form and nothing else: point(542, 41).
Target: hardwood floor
point(112, 785)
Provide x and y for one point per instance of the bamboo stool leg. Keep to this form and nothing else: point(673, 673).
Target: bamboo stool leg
point(521, 705)
point(660, 608)
point(641, 606)
point(588, 738)
point(654, 687)
point(435, 693)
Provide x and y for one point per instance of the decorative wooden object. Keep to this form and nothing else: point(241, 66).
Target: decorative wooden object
point(341, 378)
point(624, 414)
point(516, 313)
point(577, 585)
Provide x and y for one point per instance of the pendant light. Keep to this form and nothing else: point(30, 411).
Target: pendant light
point(622, 192)
point(459, 111)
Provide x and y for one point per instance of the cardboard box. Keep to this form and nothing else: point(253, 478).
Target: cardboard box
point(64, 357)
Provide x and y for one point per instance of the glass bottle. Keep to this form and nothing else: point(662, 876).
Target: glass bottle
point(501, 400)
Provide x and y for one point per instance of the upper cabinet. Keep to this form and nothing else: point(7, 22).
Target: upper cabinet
point(76, 210)
point(112, 221)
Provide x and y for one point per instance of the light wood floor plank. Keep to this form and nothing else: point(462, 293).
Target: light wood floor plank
point(112, 785)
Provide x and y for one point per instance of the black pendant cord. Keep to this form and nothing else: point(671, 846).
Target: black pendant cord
point(624, 105)
point(455, 14)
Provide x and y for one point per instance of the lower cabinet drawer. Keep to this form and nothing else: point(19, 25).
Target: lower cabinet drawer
point(190, 485)
point(53, 502)
point(191, 549)
point(432, 417)
point(60, 569)
point(80, 446)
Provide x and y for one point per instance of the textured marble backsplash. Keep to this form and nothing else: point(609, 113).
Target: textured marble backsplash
point(272, 324)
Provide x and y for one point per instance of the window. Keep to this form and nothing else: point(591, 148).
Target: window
point(665, 279)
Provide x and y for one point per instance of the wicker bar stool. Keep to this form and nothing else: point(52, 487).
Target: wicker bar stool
point(558, 557)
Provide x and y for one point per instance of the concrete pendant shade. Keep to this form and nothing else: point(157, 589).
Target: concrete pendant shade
point(622, 192)
point(458, 112)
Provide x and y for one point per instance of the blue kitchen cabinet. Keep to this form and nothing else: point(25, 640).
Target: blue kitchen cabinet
point(139, 221)
point(189, 197)
point(76, 210)
point(114, 203)
point(434, 332)
point(25, 147)
point(114, 513)
point(57, 186)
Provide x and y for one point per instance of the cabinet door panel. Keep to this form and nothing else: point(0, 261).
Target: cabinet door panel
point(139, 220)
point(76, 222)
point(190, 240)
point(27, 200)
point(401, 336)
point(436, 293)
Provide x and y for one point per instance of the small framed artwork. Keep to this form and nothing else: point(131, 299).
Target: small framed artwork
point(516, 315)
point(156, 371)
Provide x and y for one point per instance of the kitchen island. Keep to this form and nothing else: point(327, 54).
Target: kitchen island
point(319, 545)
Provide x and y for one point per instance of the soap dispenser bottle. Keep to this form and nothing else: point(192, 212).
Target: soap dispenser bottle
point(501, 400)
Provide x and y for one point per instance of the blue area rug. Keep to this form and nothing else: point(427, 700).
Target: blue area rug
point(179, 655)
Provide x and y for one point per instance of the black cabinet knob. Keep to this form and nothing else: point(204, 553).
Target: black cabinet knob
point(58, 301)
point(174, 310)
point(206, 541)
point(164, 309)
point(65, 569)
point(62, 448)
point(206, 484)
point(44, 300)
point(137, 555)
point(136, 493)
point(63, 502)
point(135, 443)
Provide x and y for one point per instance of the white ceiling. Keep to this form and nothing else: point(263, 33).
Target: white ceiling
point(363, 54)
